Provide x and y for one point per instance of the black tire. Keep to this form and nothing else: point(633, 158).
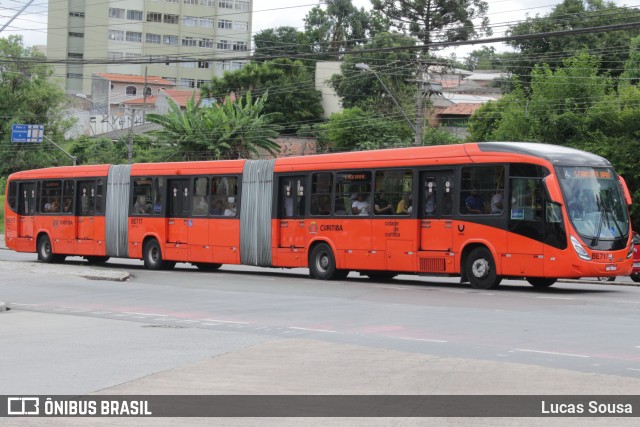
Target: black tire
point(168, 265)
point(97, 259)
point(635, 277)
point(322, 264)
point(208, 266)
point(606, 279)
point(480, 269)
point(45, 250)
point(381, 276)
point(152, 254)
point(541, 282)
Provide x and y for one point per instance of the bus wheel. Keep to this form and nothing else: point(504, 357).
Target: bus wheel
point(208, 266)
point(480, 269)
point(381, 276)
point(168, 265)
point(153, 255)
point(322, 264)
point(45, 251)
point(96, 259)
point(541, 282)
point(635, 277)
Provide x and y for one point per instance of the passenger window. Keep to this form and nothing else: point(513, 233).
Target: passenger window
point(100, 196)
point(87, 197)
point(51, 196)
point(142, 196)
point(292, 196)
point(200, 199)
point(353, 193)
point(321, 186)
point(68, 196)
point(158, 191)
point(12, 198)
point(482, 190)
point(224, 200)
point(393, 195)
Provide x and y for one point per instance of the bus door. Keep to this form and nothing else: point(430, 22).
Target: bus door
point(436, 225)
point(198, 223)
point(86, 209)
point(291, 209)
point(26, 209)
point(178, 219)
point(525, 248)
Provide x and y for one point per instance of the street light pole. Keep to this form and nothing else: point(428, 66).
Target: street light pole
point(365, 67)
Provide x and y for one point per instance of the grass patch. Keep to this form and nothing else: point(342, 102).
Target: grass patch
point(1, 214)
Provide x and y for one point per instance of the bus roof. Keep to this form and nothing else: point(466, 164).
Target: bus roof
point(394, 157)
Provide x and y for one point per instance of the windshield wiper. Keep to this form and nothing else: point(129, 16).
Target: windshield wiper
point(596, 236)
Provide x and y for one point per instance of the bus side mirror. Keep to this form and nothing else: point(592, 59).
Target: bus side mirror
point(553, 188)
point(625, 190)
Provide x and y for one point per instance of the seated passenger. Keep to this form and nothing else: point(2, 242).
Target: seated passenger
point(200, 206)
point(404, 206)
point(141, 206)
point(231, 210)
point(381, 205)
point(217, 208)
point(360, 206)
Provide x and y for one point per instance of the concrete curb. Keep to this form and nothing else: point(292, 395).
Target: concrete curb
point(69, 270)
point(3, 306)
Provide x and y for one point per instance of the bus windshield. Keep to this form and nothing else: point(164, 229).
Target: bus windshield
point(595, 202)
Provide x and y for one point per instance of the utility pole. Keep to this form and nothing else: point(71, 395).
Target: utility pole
point(130, 138)
point(144, 95)
point(419, 126)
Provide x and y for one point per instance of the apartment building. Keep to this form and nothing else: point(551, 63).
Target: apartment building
point(183, 41)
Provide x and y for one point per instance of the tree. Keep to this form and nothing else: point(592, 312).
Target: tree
point(339, 27)
point(280, 41)
point(611, 47)
point(432, 21)
point(293, 99)
point(28, 97)
point(394, 67)
point(229, 130)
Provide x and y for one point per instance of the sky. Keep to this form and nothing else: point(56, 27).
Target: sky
point(32, 23)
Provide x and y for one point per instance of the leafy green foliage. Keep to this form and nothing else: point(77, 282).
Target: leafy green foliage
point(433, 21)
point(293, 99)
point(28, 97)
point(229, 130)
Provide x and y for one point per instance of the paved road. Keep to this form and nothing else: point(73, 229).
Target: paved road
point(277, 332)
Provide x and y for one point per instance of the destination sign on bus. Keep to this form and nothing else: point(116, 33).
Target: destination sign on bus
point(590, 173)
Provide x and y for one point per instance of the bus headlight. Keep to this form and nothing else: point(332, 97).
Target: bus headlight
point(582, 253)
point(630, 253)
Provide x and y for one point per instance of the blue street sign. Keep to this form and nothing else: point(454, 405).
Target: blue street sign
point(27, 133)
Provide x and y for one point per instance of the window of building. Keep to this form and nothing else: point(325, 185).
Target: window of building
point(134, 36)
point(77, 14)
point(170, 40)
point(171, 62)
point(240, 26)
point(223, 65)
point(225, 4)
point(190, 83)
point(201, 83)
point(153, 38)
point(239, 45)
point(195, 2)
point(321, 187)
point(154, 17)
point(189, 41)
point(225, 24)
point(114, 56)
point(224, 45)
point(147, 91)
point(206, 22)
point(171, 19)
point(75, 55)
point(116, 13)
point(135, 15)
point(116, 35)
point(236, 65)
point(132, 56)
point(188, 64)
point(242, 5)
point(131, 90)
point(190, 21)
point(206, 43)
point(224, 196)
point(204, 64)
point(208, 3)
point(74, 34)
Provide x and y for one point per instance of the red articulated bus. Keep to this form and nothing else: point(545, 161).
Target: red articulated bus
point(482, 211)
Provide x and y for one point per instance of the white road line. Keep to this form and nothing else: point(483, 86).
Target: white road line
point(143, 314)
point(225, 321)
point(551, 352)
point(628, 302)
point(553, 298)
point(26, 305)
point(633, 369)
point(188, 321)
point(100, 312)
point(309, 329)
point(210, 324)
point(420, 339)
point(396, 288)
